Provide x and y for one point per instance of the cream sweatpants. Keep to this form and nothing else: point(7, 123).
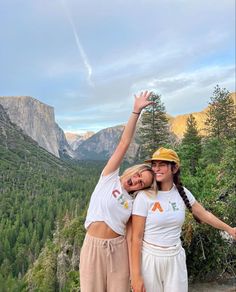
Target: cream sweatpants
point(104, 265)
point(164, 269)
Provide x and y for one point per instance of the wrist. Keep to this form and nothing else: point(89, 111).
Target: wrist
point(136, 113)
point(137, 109)
point(228, 229)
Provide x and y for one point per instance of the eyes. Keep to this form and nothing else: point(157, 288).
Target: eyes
point(143, 181)
point(159, 164)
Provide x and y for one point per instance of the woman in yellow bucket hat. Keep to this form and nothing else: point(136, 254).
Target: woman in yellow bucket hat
point(158, 258)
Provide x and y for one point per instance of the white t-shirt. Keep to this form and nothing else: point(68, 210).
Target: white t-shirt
point(110, 203)
point(164, 214)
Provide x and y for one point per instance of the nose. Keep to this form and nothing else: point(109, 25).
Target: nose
point(155, 168)
point(137, 180)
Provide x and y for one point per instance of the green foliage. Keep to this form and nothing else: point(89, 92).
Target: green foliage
point(190, 146)
point(209, 255)
point(72, 283)
point(208, 167)
point(43, 202)
point(221, 118)
point(154, 129)
point(43, 276)
point(37, 190)
point(227, 172)
point(58, 264)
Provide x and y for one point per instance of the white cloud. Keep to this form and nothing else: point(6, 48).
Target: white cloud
point(178, 47)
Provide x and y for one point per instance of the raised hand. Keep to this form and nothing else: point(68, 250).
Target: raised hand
point(141, 101)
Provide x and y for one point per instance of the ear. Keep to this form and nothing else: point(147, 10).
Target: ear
point(175, 168)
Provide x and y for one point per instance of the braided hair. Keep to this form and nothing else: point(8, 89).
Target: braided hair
point(180, 188)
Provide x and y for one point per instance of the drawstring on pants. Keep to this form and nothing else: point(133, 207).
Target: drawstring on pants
point(110, 249)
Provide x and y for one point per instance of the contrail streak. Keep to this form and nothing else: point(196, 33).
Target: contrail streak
point(78, 44)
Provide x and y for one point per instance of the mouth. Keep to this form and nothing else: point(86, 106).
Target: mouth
point(129, 182)
point(159, 174)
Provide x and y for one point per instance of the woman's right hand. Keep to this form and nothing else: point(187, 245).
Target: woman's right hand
point(137, 284)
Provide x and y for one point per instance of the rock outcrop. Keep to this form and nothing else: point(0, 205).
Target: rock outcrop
point(75, 140)
point(37, 120)
point(101, 145)
point(178, 124)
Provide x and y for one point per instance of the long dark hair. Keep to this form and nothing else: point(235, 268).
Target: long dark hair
point(180, 188)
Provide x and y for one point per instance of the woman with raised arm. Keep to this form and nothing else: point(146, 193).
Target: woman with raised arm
point(104, 261)
point(158, 259)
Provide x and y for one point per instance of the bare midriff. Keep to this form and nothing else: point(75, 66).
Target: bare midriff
point(101, 230)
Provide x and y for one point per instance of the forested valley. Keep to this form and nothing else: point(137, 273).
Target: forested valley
point(43, 199)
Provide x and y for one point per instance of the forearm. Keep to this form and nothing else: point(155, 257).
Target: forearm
point(129, 238)
point(215, 222)
point(209, 218)
point(129, 130)
point(136, 247)
point(137, 108)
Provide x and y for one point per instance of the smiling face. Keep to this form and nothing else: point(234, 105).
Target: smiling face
point(163, 171)
point(138, 181)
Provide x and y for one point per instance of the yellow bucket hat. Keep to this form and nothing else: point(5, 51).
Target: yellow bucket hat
point(165, 155)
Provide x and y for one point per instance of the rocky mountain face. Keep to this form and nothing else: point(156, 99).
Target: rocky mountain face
point(75, 140)
point(37, 120)
point(101, 145)
point(178, 123)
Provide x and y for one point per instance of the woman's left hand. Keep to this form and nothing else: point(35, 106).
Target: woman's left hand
point(232, 232)
point(141, 101)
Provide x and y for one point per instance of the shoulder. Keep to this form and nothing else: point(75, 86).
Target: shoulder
point(141, 204)
point(110, 176)
point(190, 196)
point(141, 195)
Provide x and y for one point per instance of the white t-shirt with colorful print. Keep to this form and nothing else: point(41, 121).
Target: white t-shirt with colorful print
point(110, 203)
point(164, 214)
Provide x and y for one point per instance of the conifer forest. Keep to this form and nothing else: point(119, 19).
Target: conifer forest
point(43, 199)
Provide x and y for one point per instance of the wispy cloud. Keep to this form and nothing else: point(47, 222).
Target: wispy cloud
point(55, 51)
point(81, 51)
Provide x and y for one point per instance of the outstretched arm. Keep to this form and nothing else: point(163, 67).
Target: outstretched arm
point(209, 218)
point(141, 101)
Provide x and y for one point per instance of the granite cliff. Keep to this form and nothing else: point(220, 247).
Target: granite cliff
point(37, 120)
point(101, 145)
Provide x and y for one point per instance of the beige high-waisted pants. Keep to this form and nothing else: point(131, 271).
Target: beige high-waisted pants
point(104, 265)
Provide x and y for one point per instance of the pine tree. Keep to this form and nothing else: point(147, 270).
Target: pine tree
point(221, 118)
point(191, 145)
point(154, 129)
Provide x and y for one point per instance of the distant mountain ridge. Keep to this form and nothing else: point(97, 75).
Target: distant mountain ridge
point(37, 120)
point(75, 140)
point(178, 123)
point(101, 145)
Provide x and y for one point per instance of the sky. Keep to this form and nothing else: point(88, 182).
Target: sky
point(88, 58)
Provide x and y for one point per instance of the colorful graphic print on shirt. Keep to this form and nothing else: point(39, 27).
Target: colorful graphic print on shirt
point(120, 198)
point(157, 206)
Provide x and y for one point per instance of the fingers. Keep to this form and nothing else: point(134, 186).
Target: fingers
point(146, 94)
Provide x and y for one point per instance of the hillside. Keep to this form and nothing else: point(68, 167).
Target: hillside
point(37, 190)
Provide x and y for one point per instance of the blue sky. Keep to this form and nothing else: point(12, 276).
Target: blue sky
point(88, 58)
